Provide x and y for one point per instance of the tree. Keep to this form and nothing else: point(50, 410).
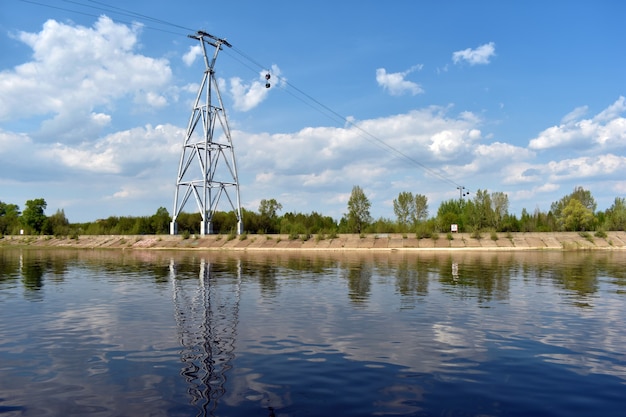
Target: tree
point(9, 218)
point(33, 215)
point(358, 210)
point(421, 208)
point(410, 209)
point(500, 208)
point(580, 194)
point(57, 224)
point(160, 221)
point(616, 215)
point(451, 212)
point(404, 208)
point(268, 211)
point(577, 217)
point(482, 215)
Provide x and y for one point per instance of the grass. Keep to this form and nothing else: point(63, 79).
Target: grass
point(587, 236)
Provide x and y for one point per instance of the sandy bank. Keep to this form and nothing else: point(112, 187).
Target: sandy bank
point(344, 242)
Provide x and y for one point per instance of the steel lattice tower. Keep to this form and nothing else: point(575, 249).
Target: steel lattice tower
point(212, 153)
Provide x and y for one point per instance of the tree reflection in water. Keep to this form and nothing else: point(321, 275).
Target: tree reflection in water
point(207, 313)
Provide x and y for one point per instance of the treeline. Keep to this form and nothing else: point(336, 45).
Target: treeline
point(483, 212)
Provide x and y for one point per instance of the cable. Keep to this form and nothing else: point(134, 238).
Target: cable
point(97, 16)
point(302, 96)
point(346, 121)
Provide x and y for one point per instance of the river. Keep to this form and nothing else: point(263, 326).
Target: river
point(189, 333)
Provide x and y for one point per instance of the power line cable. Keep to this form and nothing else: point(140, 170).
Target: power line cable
point(303, 96)
point(83, 13)
point(339, 117)
point(346, 121)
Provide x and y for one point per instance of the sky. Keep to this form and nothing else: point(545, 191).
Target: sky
point(526, 98)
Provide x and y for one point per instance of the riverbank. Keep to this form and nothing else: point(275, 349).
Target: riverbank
point(380, 242)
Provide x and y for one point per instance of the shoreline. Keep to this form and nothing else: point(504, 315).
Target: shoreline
point(615, 240)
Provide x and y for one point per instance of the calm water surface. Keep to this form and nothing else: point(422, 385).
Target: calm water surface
point(89, 333)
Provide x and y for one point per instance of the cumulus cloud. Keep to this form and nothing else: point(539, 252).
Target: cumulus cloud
point(608, 166)
point(478, 56)
point(339, 157)
point(125, 153)
point(190, 57)
point(74, 70)
point(521, 173)
point(395, 82)
point(587, 167)
point(247, 96)
point(606, 130)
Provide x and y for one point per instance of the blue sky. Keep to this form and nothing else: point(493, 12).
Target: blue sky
point(527, 98)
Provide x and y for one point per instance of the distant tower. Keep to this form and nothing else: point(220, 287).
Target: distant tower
point(206, 149)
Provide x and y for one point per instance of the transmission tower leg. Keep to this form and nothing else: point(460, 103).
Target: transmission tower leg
point(206, 228)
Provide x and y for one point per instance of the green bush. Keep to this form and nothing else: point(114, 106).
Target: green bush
point(476, 235)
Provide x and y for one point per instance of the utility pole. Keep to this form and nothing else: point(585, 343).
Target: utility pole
point(205, 148)
point(461, 192)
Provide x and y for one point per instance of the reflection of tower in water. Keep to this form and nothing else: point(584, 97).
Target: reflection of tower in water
point(207, 312)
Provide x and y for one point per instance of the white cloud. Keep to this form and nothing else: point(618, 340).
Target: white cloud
point(574, 115)
point(606, 130)
point(428, 135)
point(499, 151)
point(534, 192)
point(480, 55)
point(151, 99)
point(190, 57)
point(612, 112)
point(608, 165)
point(127, 153)
point(395, 82)
point(521, 173)
point(605, 167)
point(129, 191)
point(248, 96)
point(75, 70)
